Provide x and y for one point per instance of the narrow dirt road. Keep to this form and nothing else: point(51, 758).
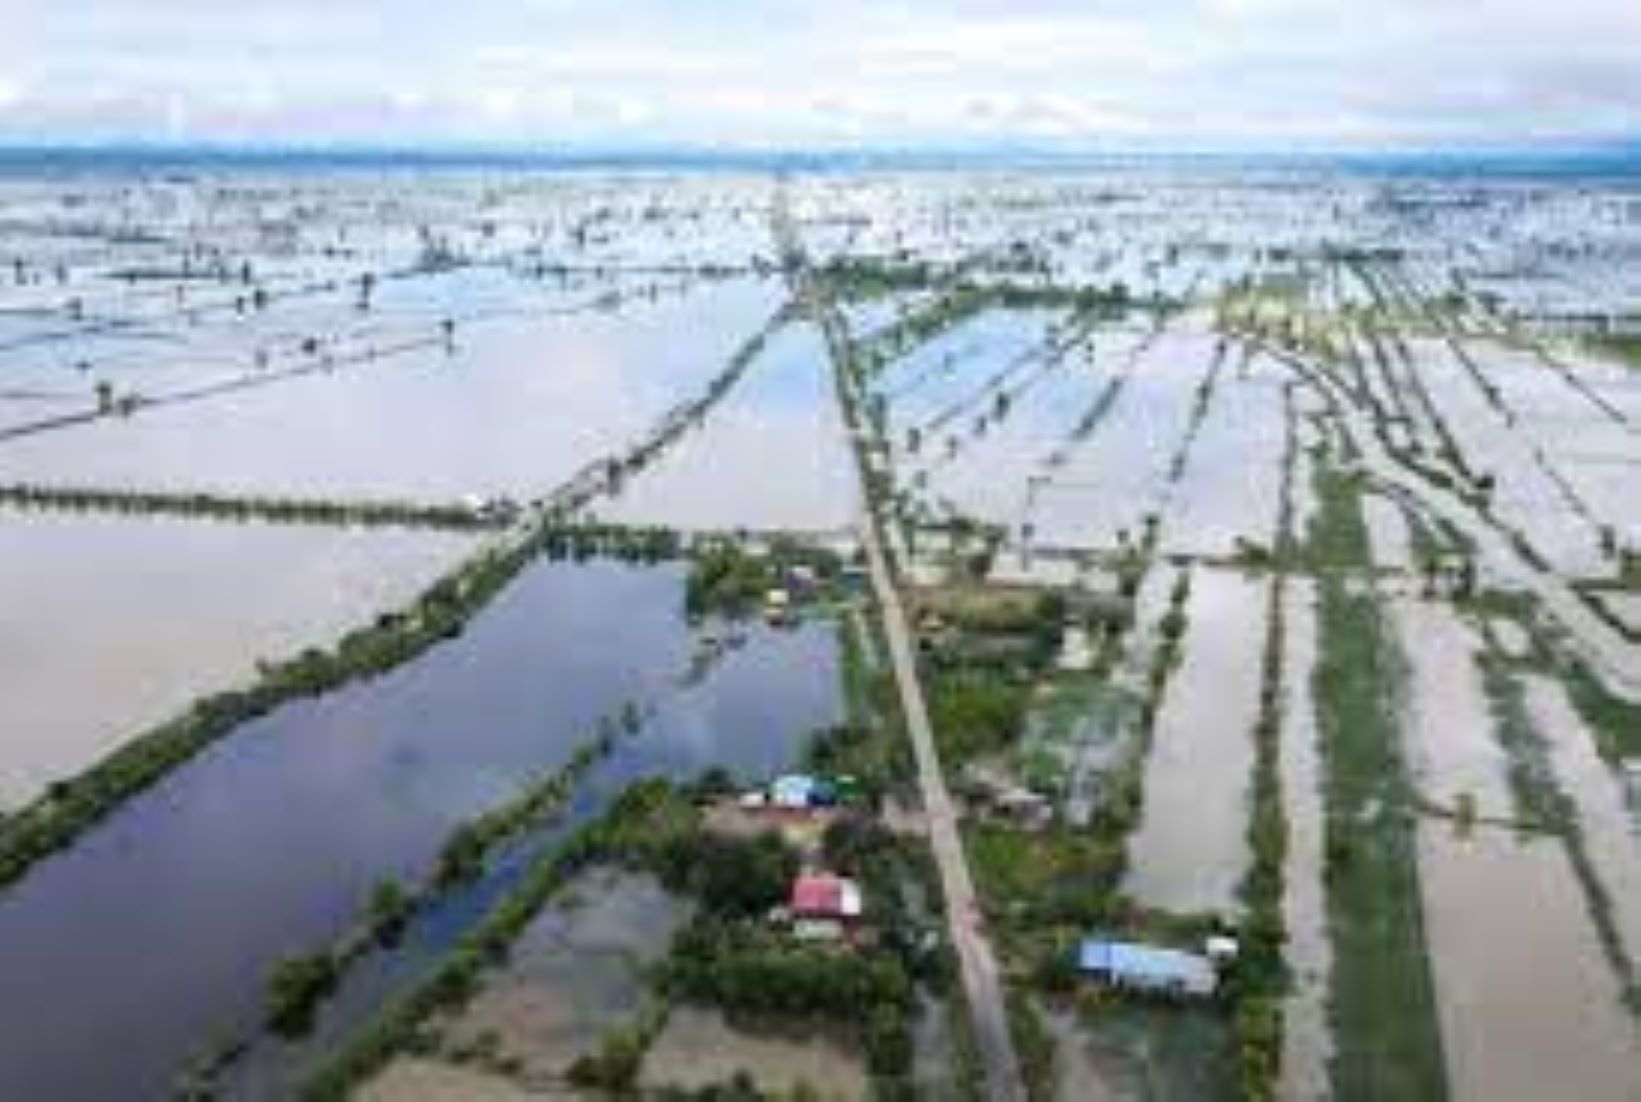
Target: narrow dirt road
point(982, 984)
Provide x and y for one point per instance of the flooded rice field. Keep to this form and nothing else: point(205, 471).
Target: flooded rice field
point(774, 457)
point(1189, 851)
point(1110, 480)
point(576, 973)
point(1455, 755)
point(512, 407)
point(1515, 1025)
point(1608, 827)
point(109, 625)
point(1230, 490)
point(698, 1048)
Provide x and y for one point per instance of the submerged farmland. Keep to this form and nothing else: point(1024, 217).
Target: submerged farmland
point(1256, 547)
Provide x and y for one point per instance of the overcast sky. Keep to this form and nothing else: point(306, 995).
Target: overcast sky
point(816, 73)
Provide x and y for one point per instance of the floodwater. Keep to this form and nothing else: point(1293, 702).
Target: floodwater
point(1449, 727)
point(990, 474)
point(1111, 480)
point(1189, 851)
point(1527, 495)
point(110, 625)
point(1232, 484)
point(573, 975)
point(698, 1048)
point(773, 455)
point(154, 933)
point(1390, 537)
point(1617, 660)
point(1611, 837)
point(1625, 606)
point(1527, 1003)
point(1078, 1076)
point(520, 405)
point(1307, 1039)
point(947, 385)
point(418, 1079)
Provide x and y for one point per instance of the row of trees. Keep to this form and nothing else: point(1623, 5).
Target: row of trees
point(278, 510)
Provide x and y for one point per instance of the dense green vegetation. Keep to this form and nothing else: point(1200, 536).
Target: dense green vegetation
point(1626, 349)
point(726, 578)
point(758, 974)
point(1260, 978)
point(1615, 721)
point(976, 713)
point(296, 988)
point(869, 745)
point(1384, 1015)
point(389, 910)
point(728, 956)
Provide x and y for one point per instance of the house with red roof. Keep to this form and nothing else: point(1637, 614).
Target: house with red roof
point(823, 906)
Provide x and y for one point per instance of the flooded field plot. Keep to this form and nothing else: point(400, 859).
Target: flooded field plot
point(109, 625)
point(1449, 730)
point(1308, 1041)
point(1189, 851)
point(1015, 443)
point(698, 1049)
point(513, 408)
point(1523, 1031)
point(773, 456)
point(575, 974)
point(1230, 491)
point(1111, 480)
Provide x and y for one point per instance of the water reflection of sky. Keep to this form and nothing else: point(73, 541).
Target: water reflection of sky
point(154, 932)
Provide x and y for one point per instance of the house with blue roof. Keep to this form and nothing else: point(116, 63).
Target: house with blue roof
point(1148, 969)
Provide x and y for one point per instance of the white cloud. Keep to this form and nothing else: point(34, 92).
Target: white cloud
point(792, 72)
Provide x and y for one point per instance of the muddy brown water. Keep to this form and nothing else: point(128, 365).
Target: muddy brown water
point(1529, 1007)
point(109, 625)
point(1448, 725)
point(1189, 851)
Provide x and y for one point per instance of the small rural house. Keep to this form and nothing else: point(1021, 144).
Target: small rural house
point(800, 792)
point(824, 906)
point(778, 606)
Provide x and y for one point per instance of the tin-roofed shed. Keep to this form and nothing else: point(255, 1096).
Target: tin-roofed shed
point(1146, 968)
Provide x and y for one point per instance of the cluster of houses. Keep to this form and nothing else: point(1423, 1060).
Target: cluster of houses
point(822, 905)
